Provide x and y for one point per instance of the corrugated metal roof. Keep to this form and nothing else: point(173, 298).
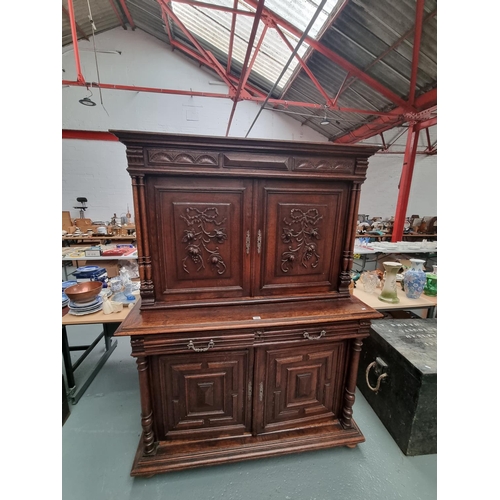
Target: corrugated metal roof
point(362, 33)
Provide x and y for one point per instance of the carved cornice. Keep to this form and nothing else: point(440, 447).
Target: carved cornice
point(344, 165)
point(170, 157)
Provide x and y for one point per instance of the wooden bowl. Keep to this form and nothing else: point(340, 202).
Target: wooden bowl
point(84, 292)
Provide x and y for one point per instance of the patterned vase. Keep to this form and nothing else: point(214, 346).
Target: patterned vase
point(415, 279)
point(389, 292)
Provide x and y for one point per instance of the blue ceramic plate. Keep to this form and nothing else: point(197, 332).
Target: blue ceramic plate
point(84, 305)
point(87, 269)
point(66, 284)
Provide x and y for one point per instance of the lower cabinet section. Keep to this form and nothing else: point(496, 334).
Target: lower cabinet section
point(218, 405)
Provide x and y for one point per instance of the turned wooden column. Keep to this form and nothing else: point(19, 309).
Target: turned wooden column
point(345, 274)
point(143, 252)
point(350, 386)
point(148, 437)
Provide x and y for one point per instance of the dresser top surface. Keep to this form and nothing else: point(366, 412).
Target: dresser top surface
point(264, 315)
point(235, 143)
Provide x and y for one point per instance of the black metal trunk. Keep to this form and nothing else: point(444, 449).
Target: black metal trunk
point(405, 350)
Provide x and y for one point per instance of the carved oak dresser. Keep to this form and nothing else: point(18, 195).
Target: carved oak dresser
point(246, 338)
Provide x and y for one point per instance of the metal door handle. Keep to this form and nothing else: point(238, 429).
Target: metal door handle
point(200, 349)
point(322, 333)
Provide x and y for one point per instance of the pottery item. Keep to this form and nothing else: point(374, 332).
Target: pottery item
point(389, 292)
point(415, 279)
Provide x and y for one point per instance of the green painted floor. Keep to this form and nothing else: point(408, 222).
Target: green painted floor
point(100, 437)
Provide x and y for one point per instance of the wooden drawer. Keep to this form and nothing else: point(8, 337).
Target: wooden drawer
point(196, 342)
point(308, 333)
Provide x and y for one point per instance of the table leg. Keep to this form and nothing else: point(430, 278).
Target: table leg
point(108, 330)
point(68, 365)
point(432, 312)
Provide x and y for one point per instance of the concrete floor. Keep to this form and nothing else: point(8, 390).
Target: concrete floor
point(100, 438)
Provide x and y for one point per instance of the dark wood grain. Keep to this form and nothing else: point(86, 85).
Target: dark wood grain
point(246, 337)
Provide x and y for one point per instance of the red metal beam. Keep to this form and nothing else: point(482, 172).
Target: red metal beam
point(343, 63)
point(384, 123)
point(166, 20)
point(258, 14)
point(127, 14)
point(205, 53)
point(205, 5)
point(72, 23)
point(419, 15)
point(304, 66)
point(190, 52)
point(231, 39)
point(78, 29)
point(88, 135)
point(405, 183)
point(117, 13)
point(333, 17)
point(254, 56)
point(154, 90)
point(258, 98)
point(426, 123)
point(383, 141)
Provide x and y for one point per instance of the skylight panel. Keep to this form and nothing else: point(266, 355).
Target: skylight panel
point(214, 27)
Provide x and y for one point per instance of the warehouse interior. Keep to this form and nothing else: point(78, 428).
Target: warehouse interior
point(363, 73)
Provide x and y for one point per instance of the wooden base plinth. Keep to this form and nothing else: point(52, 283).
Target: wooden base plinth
point(183, 454)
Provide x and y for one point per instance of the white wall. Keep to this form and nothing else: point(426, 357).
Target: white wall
point(97, 169)
point(379, 193)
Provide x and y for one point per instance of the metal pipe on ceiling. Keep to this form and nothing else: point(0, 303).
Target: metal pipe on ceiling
point(258, 14)
point(231, 38)
point(127, 14)
point(290, 59)
point(419, 15)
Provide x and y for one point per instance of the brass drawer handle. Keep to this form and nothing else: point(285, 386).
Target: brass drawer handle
point(248, 242)
point(259, 241)
point(200, 349)
point(322, 333)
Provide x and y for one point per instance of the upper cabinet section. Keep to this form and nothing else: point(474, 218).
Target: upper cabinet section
point(225, 220)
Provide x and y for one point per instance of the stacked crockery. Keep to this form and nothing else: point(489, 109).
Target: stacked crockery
point(65, 298)
point(84, 298)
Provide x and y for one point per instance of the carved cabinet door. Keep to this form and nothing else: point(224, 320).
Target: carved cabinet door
point(298, 385)
point(202, 394)
point(300, 230)
point(200, 237)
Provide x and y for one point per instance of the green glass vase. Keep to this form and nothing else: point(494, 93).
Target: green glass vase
point(389, 292)
point(431, 285)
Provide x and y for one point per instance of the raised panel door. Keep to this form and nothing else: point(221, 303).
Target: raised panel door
point(201, 233)
point(299, 385)
point(202, 394)
point(300, 226)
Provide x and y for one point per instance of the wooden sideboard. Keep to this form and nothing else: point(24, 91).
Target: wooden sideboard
point(247, 339)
